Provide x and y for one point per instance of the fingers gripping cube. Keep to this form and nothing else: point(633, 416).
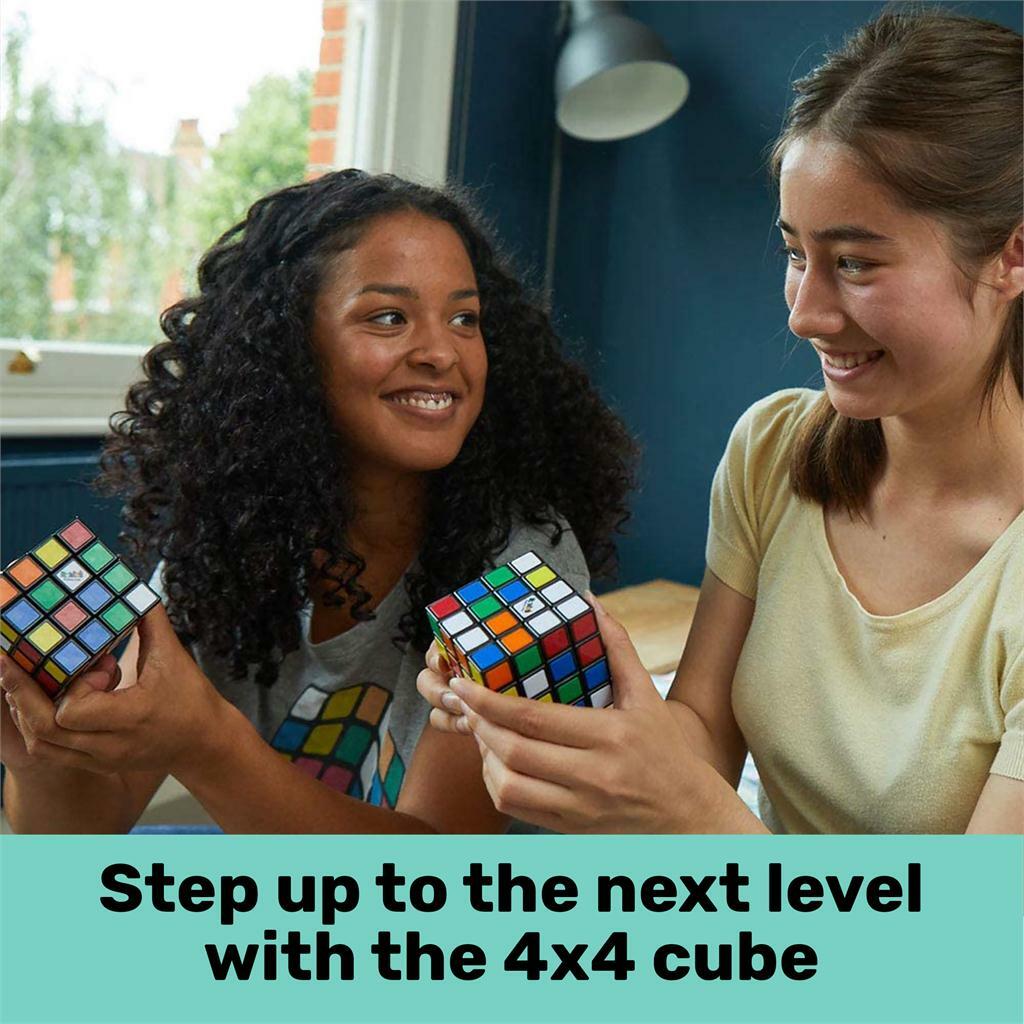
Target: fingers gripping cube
point(65, 603)
point(522, 630)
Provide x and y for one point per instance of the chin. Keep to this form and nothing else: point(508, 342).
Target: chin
point(413, 460)
point(855, 407)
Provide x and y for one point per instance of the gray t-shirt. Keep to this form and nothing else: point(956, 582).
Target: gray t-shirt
point(347, 710)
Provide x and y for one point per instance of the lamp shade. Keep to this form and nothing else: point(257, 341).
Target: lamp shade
point(614, 78)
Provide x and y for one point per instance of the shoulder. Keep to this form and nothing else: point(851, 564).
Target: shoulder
point(557, 547)
point(770, 423)
point(1006, 623)
point(757, 455)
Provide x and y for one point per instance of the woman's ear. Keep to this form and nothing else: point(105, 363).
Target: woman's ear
point(1009, 271)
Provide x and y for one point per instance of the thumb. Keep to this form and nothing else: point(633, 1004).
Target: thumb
point(631, 682)
point(104, 675)
point(156, 638)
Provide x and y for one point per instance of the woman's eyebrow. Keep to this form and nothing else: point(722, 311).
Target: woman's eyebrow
point(839, 233)
point(410, 293)
point(390, 289)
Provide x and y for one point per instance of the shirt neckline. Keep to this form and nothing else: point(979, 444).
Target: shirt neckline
point(353, 636)
point(937, 605)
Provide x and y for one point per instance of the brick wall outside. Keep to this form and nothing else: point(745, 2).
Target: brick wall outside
point(323, 118)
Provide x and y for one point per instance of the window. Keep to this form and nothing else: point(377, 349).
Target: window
point(159, 137)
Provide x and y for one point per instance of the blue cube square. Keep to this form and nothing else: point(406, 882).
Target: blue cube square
point(22, 614)
point(95, 596)
point(94, 636)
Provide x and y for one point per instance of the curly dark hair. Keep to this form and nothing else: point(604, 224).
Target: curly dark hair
point(234, 474)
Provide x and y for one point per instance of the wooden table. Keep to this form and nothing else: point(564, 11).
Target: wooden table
point(657, 615)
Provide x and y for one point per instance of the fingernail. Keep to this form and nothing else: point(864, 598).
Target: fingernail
point(462, 724)
point(451, 703)
point(593, 601)
point(459, 685)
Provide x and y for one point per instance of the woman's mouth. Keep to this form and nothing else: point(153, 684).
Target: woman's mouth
point(432, 400)
point(843, 367)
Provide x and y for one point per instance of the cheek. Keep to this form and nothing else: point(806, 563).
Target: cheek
point(474, 361)
point(358, 368)
point(915, 322)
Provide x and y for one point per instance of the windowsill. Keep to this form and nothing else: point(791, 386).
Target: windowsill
point(70, 389)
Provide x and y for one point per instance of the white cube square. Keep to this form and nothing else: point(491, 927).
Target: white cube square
point(471, 640)
point(573, 608)
point(524, 563)
point(554, 592)
point(141, 598)
point(535, 684)
point(543, 623)
point(456, 623)
point(309, 703)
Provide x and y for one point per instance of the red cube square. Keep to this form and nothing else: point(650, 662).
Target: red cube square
point(557, 640)
point(584, 626)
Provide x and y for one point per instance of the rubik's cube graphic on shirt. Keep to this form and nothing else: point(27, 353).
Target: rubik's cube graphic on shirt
point(522, 630)
point(65, 603)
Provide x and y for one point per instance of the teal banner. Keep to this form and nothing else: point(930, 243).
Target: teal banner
point(527, 928)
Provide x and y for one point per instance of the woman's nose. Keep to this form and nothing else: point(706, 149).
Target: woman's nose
point(434, 346)
point(814, 308)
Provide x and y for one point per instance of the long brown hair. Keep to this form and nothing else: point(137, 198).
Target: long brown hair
point(931, 103)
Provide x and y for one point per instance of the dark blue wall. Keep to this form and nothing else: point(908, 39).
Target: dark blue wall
point(46, 485)
point(666, 267)
point(502, 137)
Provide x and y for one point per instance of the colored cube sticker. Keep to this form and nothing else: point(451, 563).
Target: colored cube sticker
point(521, 630)
point(56, 637)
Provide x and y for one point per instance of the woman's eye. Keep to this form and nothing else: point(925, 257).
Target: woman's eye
point(793, 256)
point(850, 265)
point(465, 319)
point(389, 318)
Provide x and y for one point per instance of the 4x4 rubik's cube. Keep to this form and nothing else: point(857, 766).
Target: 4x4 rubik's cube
point(66, 603)
point(522, 630)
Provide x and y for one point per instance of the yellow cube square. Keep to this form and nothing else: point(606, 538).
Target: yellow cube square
point(51, 553)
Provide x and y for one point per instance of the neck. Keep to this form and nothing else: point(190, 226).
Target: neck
point(971, 450)
point(389, 511)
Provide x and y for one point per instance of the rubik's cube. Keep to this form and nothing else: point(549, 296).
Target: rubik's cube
point(522, 630)
point(65, 604)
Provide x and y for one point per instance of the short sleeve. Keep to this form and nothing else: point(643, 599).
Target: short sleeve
point(750, 484)
point(565, 557)
point(1009, 759)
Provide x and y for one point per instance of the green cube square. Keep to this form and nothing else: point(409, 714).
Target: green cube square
point(119, 577)
point(97, 557)
point(353, 744)
point(118, 617)
point(485, 606)
point(47, 595)
point(393, 780)
point(570, 690)
point(499, 576)
point(526, 661)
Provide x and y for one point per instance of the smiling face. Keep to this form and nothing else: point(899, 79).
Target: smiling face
point(875, 290)
point(397, 328)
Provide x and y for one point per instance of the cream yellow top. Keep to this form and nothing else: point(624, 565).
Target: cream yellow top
point(860, 722)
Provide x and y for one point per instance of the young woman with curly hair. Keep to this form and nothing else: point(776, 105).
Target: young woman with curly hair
point(859, 629)
point(358, 412)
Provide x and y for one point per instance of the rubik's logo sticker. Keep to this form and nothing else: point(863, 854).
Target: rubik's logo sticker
point(523, 631)
point(342, 739)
